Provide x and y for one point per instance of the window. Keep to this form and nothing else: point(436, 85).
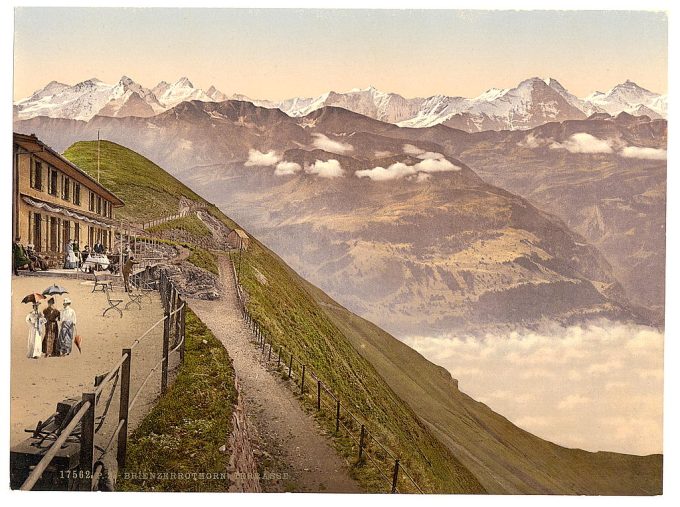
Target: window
point(52, 182)
point(54, 234)
point(92, 202)
point(76, 193)
point(67, 231)
point(36, 174)
point(65, 188)
point(37, 232)
point(99, 205)
point(76, 233)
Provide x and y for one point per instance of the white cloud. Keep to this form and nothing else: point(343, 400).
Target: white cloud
point(393, 172)
point(430, 155)
point(409, 149)
point(436, 165)
point(400, 170)
point(569, 380)
point(645, 153)
point(326, 169)
point(324, 143)
point(531, 141)
point(286, 168)
point(258, 158)
point(583, 142)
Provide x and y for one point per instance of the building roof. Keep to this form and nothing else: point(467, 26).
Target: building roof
point(31, 142)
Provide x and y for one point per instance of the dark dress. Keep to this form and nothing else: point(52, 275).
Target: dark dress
point(51, 330)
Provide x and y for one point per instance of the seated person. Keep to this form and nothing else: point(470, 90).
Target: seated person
point(38, 262)
point(19, 258)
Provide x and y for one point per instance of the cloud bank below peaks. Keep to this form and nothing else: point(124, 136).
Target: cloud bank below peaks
point(326, 169)
point(585, 143)
point(324, 143)
point(430, 163)
point(258, 158)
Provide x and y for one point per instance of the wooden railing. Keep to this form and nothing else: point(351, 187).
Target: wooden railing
point(89, 469)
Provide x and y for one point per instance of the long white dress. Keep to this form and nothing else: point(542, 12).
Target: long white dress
point(36, 331)
point(67, 331)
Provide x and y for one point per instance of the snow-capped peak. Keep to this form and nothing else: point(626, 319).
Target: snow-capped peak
point(532, 102)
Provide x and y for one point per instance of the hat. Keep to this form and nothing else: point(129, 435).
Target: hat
point(51, 301)
point(67, 301)
point(30, 245)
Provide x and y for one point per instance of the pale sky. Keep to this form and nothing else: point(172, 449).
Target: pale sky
point(276, 54)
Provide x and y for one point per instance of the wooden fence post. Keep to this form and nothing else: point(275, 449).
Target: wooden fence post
point(362, 438)
point(318, 394)
point(337, 416)
point(177, 320)
point(302, 383)
point(166, 348)
point(183, 328)
point(278, 359)
point(123, 408)
point(87, 443)
point(395, 476)
point(269, 356)
point(290, 366)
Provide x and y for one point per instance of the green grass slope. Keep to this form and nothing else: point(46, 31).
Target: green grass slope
point(293, 318)
point(505, 458)
point(285, 309)
point(148, 191)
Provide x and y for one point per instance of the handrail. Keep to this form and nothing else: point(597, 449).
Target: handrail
point(97, 468)
point(37, 472)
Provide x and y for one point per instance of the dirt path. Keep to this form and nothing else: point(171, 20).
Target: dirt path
point(291, 444)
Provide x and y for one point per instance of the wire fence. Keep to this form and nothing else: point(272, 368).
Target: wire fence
point(82, 424)
point(314, 390)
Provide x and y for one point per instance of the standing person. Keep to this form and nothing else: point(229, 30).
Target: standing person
point(51, 329)
point(71, 261)
point(76, 251)
point(85, 254)
point(127, 269)
point(68, 329)
point(36, 329)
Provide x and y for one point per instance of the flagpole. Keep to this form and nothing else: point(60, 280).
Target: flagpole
point(97, 155)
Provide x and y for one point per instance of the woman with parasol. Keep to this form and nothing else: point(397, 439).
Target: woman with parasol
point(52, 315)
point(36, 326)
point(51, 328)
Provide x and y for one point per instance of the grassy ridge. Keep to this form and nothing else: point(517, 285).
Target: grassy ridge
point(293, 318)
point(147, 190)
point(185, 430)
point(190, 224)
point(202, 258)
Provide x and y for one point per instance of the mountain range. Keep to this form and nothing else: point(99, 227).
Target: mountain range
point(531, 103)
point(397, 224)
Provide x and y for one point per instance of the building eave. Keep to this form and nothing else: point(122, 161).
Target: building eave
point(54, 158)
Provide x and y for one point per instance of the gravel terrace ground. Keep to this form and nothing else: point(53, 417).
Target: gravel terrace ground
point(38, 384)
point(290, 440)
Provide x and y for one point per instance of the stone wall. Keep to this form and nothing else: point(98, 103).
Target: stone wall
point(242, 469)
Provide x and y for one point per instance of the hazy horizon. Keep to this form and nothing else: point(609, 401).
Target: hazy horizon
point(281, 53)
